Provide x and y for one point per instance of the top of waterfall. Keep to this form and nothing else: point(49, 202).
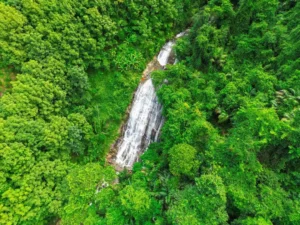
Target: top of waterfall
point(164, 53)
point(181, 34)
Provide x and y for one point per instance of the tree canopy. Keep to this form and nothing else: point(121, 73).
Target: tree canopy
point(229, 149)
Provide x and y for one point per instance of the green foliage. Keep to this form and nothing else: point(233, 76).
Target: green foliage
point(12, 25)
point(203, 204)
point(136, 202)
point(229, 148)
point(68, 70)
point(85, 184)
point(6, 77)
point(233, 98)
point(128, 58)
point(183, 160)
point(32, 97)
point(253, 221)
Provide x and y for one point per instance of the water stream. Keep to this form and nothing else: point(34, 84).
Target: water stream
point(143, 126)
point(145, 118)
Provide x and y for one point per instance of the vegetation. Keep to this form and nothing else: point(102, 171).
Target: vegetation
point(229, 149)
point(234, 98)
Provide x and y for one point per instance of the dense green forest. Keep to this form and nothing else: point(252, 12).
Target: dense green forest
point(229, 150)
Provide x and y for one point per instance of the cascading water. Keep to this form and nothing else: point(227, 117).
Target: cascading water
point(165, 52)
point(143, 125)
point(145, 118)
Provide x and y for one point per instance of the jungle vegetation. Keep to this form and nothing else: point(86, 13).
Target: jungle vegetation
point(229, 151)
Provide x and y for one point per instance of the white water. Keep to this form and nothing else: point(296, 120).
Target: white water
point(181, 34)
point(143, 126)
point(145, 118)
point(165, 52)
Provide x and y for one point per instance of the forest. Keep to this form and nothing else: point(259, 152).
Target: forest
point(230, 145)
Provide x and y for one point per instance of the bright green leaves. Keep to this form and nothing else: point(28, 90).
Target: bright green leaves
point(51, 44)
point(86, 181)
point(79, 134)
point(136, 202)
point(84, 184)
point(185, 99)
point(137, 205)
point(104, 199)
point(184, 210)
point(183, 160)
point(237, 81)
point(15, 160)
point(253, 221)
point(221, 9)
point(262, 124)
point(266, 10)
point(11, 20)
point(31, 175)
point(289, 58)
point(262, 81)
point(237, 118)
point(99, 25)
point(202, 204)
point(206, 42)
point(129, 59)
point(11, 26)
point(205, 53)
point(51, 69)
point(212, 199)
point(33, 97)
point(35, 194)
point(47, 139)
point(186, 125)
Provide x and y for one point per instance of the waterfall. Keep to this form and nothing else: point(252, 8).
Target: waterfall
point(145, 118)
point(143, 126)
point(164, 53)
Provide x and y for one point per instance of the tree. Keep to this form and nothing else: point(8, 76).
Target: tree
point(12, 26)
point(136, 203)
point(183, 160)
point(204, 203)
point(84, 184)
